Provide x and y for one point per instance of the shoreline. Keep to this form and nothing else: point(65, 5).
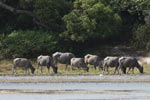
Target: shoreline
point(73, 78)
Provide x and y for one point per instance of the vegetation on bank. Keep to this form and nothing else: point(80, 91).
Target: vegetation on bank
point(29, 28)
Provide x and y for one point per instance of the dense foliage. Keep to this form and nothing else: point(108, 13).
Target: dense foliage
point(142, 37)
point(29, 28)
point(90, 19)
point(28, 43)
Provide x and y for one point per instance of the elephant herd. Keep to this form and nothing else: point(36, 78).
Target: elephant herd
point(69, 59)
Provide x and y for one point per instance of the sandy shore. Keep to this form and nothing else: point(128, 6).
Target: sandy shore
point(76, 78)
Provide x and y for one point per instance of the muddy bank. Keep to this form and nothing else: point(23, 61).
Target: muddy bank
point(76, 78)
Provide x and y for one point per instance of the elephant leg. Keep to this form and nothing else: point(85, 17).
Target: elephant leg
point(13, 69)
point(25, 69)
point(28, 71)
point(132, 70)
point(95, 67)
point(129, 70)
point(41, 69)
point(66, 67)
point(38, 68)
point(107, 68)
point(124, 70)
point(104, 69)
point(48, 68)
point(116, 69)
point(71, 68)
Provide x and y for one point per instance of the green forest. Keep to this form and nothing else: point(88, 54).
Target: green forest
point(29, 28)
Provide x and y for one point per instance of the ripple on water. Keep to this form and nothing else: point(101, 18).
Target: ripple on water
point(75, 91)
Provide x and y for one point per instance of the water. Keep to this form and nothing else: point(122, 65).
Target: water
point(75, 91)
point(75, 86)
point(73, 97)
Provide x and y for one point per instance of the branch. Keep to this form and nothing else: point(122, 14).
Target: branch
point(36, 19)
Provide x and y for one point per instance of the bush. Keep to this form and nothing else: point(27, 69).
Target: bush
point(90, 19)
point(141, 37)
point(28, 44)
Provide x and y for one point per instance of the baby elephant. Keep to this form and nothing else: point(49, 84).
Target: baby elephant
point(23, 63)
point(79, 63)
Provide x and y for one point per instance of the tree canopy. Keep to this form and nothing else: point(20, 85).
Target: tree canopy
point(90, 19)
point(62, 24)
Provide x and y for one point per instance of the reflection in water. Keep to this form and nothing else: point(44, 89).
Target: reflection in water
point(75, 91)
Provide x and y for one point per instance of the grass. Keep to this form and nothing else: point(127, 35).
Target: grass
point(6, 69)
point(6, 66)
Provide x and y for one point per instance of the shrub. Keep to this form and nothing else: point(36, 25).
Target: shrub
point(28, 44)
point(141, 37)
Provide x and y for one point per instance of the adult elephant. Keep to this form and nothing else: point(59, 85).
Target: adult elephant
point(46, 61)
point(129, 62)
point(63, 58)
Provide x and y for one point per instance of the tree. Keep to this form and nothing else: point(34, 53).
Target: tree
point(41, 14)
point(90, 19)
point(50, 12)
point(20, 11)
point(132, 13)
point(141, 37)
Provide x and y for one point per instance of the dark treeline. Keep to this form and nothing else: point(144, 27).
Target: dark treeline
point(29, 28)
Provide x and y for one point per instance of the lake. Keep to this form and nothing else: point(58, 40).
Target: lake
point(75, 91)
